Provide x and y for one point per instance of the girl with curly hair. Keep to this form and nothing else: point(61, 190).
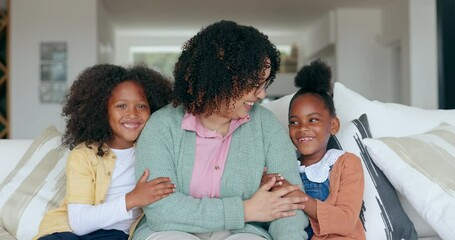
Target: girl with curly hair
point(214, 142)
point(105, 111)
point(332, 178)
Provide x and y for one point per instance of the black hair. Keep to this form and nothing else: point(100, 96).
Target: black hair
point(316, 79)
point(85, 107)
point(220, 63)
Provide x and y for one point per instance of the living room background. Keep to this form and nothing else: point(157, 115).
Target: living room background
point(387, 52)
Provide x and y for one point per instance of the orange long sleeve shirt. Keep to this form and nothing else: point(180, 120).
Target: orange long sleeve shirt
point(338, 215)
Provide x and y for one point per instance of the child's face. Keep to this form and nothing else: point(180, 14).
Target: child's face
point(310, 127)
point(128, 111)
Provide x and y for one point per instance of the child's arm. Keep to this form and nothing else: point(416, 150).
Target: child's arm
point(310, 204)
point(84, 214)
point(85, 218)
point(84, 207)
point(338, 218)
point(341, 217)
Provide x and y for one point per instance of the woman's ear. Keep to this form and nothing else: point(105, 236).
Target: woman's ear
point(335, 126)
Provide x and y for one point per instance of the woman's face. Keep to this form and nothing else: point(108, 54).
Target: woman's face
point(240, 108)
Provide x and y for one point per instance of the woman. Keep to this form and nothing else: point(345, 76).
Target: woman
point(215, 141)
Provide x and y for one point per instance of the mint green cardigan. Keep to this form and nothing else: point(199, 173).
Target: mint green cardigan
point(168, 151)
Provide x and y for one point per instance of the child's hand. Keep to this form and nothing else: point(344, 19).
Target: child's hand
point(283, 183)
point(147, 192)
point(266, 177)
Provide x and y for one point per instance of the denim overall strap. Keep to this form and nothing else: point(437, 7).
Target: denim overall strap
point(315, 190)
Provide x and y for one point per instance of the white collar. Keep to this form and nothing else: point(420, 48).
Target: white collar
point(319, 172)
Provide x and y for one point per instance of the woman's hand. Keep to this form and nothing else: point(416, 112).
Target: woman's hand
point(310, 204)
point(284, 183)
point(147, 192)
point(267, 206)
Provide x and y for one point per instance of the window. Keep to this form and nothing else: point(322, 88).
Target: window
point(160, 58)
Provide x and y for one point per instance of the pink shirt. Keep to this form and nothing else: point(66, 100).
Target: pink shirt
point(210, 156)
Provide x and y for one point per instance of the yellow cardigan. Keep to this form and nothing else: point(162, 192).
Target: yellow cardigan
point(88, 177)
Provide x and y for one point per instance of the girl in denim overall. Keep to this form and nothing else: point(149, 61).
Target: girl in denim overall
point(332, 179)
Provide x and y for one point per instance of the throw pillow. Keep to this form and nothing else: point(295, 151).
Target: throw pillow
point(35, 185)
point(422, 228)
point(421, 167)
point(11, 151)
point(387, 119)
point(382, 214)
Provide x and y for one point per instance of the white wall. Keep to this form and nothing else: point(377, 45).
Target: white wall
point(363, 64)
point(423, 54)
point(319, 36)
point(106, 35)
point(347, 40)
point(319, 42)
point(386, 54)
point(410, 25)
point(395, 35)
point(45, 20)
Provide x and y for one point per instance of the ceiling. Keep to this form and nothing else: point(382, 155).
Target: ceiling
point(285, 16)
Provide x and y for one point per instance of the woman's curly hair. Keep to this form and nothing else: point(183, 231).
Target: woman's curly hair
point(85, 108)
point(316, 79)
point(221, 63)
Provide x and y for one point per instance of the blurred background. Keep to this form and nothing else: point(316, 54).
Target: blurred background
point(386, 50)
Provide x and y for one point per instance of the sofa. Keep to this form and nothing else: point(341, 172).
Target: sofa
point(408, 156)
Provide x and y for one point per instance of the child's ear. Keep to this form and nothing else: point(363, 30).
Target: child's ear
point(335, 126)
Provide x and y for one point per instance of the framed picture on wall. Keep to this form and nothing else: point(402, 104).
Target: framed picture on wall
point(53, 51)
point(53, 71)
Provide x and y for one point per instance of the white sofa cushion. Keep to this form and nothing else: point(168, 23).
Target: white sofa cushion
point(422, 167)
point(423, 229)
point(280, 107)
point(35, 185)
point(387, 119)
